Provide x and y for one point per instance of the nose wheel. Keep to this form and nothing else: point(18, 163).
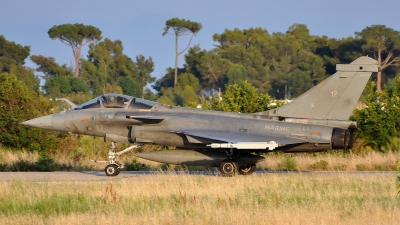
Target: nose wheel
point(114, 168)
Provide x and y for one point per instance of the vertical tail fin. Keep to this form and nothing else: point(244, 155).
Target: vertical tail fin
point(335, 97)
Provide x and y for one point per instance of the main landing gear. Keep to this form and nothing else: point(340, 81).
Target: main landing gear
point(230, 168)
point(114, 167)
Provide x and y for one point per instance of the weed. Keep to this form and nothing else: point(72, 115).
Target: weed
point(320, 165)
point(288, 163)
point(276, 199)
point(393, 145)
point(340, 167)
point(110, 194)
point(361, 167)
point(134, 165)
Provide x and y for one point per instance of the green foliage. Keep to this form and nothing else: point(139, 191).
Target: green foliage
point(284, 65)
point(178, 96)
point(129, 86)
point(45, 163)
point(184, 93)
point(236, 74)
point(134, 165)
point(57, 86)
point(149, 95)
point(60, 86)
point(381, 38)
point(242, 97)
point(108, 69)
point(167, 81)
point(277, 64)
point(12, 59)
point(208, 66)
point(320, 165)
point(59, 78)
point(168, 96)
point(76, 36)
point(378, 122)
point(26, 76)
point(145, 68)
point(188, 79)
point(77, 98)
point(252, 49)
point(50, 67)
point(384, 44)
point(392, 145)
point(361, 167)
point(17, 104)
point(11, 54)
point(181, 27)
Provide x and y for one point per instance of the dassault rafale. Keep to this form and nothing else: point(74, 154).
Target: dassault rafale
point(235, 142)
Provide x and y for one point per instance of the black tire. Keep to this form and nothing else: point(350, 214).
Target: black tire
point(247, 169)
point(228, 168)
point(118, 171)
point(112, 170)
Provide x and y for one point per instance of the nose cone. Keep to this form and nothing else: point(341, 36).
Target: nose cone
point(44, 122)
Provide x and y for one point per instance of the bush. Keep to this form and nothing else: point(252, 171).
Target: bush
point(134, 165)
point(44, 164)
point(378, 121)
point(17, 104)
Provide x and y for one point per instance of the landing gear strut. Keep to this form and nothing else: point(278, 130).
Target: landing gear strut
point(114, 167)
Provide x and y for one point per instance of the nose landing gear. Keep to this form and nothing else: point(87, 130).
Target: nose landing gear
point(114, 167)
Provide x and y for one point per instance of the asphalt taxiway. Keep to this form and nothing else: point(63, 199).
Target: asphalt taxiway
point(101, 176)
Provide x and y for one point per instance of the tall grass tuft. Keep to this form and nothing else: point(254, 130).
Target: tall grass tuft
point(288, 163)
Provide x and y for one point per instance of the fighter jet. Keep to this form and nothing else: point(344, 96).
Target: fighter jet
point(234, 142)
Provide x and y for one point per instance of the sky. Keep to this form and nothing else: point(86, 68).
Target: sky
point(140, 24)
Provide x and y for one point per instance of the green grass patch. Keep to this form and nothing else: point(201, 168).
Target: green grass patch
point(320, 165)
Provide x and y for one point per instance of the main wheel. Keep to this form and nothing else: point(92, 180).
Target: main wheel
point(228, 168)
point(247, 169)
point(112, 170)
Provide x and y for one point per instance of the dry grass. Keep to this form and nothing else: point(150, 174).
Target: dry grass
point(338, 161)
point(283, 198)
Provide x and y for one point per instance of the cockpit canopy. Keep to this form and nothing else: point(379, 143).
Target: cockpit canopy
point(117, 101)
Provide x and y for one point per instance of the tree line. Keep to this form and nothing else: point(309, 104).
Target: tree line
point(252, 61)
